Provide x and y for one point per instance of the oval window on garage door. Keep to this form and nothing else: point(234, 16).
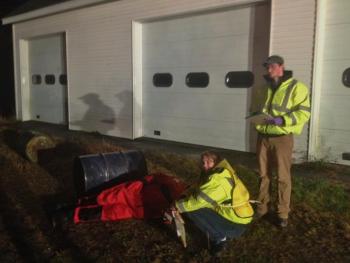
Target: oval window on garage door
point(63, 79)
point(346, 78)
point(197, 80)
point(239, 79)
point(50, 79)
point(36, 79)
point(162, 80)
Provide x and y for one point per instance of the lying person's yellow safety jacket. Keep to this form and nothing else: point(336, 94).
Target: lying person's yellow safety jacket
point(225, 193)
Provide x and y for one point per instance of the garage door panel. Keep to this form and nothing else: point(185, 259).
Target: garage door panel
point(221, 107)
point(197, 53)
point(48, 57)
point(190, 28)
point(215, 43)
point(216, 86)
point(52, 100)
point(335, 137)
point(338, 12)
point(335, 112)
point(336, 48)
point(333, 134)
point(196, 132)
point(332, 73)
point(48, 97)
point(49, 111)
point(333, 143)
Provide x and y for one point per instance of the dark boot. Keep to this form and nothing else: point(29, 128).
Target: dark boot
point(283, 222)
point(216, 248)
point(61, 217)
point(90, 214)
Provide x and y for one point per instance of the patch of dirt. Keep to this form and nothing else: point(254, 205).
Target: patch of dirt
point(26, 234)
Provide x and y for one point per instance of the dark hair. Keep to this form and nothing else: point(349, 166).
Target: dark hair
point(212, 155)
point(204, 176)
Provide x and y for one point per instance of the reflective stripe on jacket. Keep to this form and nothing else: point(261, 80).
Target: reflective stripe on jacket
point(290, 101)
point(225, 193)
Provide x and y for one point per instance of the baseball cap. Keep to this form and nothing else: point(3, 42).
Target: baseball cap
point(274, 59)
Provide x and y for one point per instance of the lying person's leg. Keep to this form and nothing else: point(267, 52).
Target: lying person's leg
point(87, 213)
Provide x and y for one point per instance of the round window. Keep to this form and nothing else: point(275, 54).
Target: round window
point(239, 79)
point(346, 77)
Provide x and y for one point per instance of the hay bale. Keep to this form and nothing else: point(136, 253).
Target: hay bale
point(37, 143)
point(28, 143)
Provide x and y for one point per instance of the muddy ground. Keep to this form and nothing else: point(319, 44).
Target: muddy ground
point(317, 231)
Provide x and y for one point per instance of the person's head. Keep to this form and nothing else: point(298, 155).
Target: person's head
point(274, 66)
point(209, 160)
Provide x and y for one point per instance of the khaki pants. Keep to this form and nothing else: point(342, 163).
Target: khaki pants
point(275, 152)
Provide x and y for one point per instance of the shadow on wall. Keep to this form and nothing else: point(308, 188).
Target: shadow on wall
point(124, 104)
point(98, 118)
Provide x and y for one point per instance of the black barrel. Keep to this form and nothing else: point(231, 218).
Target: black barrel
point(96, 172)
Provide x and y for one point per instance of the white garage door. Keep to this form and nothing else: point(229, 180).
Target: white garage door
point(334, 122)
point(48, 79)
point(211, 44)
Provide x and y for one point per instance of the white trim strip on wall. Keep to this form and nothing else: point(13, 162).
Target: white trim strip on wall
point(137, 78)
point(16, 75)
point(316, 80)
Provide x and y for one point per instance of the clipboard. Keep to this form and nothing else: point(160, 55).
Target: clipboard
point(258, 118)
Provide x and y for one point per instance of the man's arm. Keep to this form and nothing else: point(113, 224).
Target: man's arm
point(301, 111)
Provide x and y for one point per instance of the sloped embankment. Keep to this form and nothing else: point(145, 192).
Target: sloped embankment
point(319, 227)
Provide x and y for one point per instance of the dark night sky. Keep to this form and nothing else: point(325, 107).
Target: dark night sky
point(7, 6)
point(7, 100)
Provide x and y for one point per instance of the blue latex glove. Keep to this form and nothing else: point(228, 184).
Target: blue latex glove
point(278, 121)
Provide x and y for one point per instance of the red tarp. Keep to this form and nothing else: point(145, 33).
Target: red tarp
point(146, 198)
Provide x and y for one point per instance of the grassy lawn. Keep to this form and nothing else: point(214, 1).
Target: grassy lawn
point(319, 229)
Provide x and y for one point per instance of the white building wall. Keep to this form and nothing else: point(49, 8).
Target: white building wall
point(99, 57)
point(292, 36)
point(99, 53)
point(331, 130)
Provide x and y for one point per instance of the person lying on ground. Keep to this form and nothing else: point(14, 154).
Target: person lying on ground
point(145, 198)
point(220, 207)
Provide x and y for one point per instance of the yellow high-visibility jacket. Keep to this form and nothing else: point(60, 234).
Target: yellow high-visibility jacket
point(291, 102)
point(225, 193)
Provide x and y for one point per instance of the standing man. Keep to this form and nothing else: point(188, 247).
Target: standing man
point(288, 106)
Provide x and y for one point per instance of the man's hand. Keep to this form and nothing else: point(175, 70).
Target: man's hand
point(169, 214)
point(278, 121)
